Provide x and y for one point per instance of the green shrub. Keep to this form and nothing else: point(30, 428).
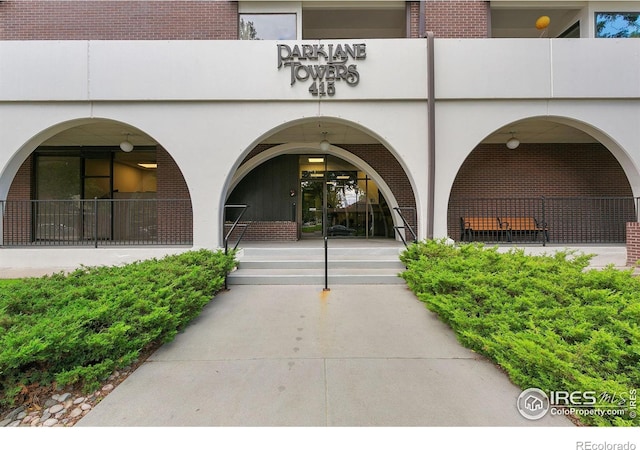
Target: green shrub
point(547, 320)
point(78, 328)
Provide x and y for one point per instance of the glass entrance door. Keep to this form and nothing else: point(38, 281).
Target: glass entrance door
point(312, 190)
point(338, 200)
point(312, 208)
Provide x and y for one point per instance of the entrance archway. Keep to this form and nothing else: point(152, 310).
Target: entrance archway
point(79, 186)
point(369, 167)
point(297, 191)
point(556, 184)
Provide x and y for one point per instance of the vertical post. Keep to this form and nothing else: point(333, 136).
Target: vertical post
point(325, 215)
point(95, 219)
point(366, 206)
point(544, 225)
point(326, 264)
point(431, 130)
point(1, 223)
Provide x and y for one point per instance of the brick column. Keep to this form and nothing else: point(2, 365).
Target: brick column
point(175, 217)
point(17, 218)
point(633, 243)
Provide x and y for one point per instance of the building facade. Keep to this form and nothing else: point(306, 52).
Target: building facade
point(132, 129)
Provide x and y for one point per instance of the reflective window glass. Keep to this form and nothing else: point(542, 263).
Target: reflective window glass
point(618, 25)
point(267, 27)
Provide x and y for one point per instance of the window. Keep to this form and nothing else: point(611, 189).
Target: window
point(66, 176)
point(267, 27)
point(617, 25)
point(572, 32)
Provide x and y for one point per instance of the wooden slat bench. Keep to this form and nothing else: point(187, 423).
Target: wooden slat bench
point(472, 226)
point(523, 225)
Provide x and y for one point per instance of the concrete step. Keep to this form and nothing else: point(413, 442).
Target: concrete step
point(318, 253)
point(319, 264)
point(291, 264)
point(313, 277)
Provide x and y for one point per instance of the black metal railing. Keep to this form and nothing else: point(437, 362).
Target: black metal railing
point(405, 227)
point(96, 222)
point(239, 210)
point(235, 225)
point(561, 220)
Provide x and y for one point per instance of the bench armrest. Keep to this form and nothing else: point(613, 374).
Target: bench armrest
point(504, 225)
point(540, 224)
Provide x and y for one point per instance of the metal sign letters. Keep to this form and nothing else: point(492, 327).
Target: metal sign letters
point(323, 65)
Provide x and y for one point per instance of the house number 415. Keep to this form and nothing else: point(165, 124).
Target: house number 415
point(320, 89)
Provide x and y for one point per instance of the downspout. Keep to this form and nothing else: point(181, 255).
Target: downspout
point(431, 120)
point(431, 132)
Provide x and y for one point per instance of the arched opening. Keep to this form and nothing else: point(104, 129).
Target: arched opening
point(303, 190)
point(552, 184)
point(82, 187)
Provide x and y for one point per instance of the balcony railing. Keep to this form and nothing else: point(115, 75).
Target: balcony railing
point(575, 220)
point(96, 222)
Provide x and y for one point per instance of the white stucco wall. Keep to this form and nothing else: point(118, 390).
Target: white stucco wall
point(484, 85)
point(209, 102)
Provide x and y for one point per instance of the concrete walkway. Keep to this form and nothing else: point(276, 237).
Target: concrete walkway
point(358, 355)
point(297, 356)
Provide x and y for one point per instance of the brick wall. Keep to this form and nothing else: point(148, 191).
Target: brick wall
point(265, 231)
point(458, 19)
point(561, 173)
point(17, 218)
point(175, 219)
point(414, 20)
point(633, 243)
point(126, 20)
point(21, 186)
point(192, 19)
point(452, 18)
point(552, 170)
point(388, 167)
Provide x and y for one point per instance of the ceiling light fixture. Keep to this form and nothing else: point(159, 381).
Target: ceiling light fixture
point(513, 143)
point(324, 144)
point(125, 145)
point(148, 165)
point(316, 160)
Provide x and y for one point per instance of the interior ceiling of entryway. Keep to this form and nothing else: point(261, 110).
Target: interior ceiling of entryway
point(540, 132)
point(111, 134)
point(518, 21)
point(99, 134)
point(353, 20)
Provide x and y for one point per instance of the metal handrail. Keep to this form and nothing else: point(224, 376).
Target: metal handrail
point(243, 209)
point(406, 226)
